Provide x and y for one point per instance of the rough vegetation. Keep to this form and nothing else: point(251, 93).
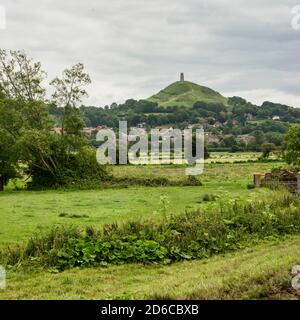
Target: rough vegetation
point(194, 235)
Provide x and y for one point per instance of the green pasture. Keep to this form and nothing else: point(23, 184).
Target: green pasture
point(251, 273)
point(23, 212)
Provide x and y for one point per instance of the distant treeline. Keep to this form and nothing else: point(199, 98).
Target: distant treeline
point(267, 123)
point(143, 111)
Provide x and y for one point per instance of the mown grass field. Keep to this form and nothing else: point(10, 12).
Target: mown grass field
point(256, 272)
point(261, 272)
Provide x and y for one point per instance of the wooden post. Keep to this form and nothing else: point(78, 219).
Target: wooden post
point(257, 179)
point(298, 182)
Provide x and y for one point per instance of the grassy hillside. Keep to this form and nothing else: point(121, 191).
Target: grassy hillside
point(185, 93)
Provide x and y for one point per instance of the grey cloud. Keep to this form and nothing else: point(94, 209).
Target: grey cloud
point(133, 48)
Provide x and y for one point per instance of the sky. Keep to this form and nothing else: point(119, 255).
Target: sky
point(134, 48)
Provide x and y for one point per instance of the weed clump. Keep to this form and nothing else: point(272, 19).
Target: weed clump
point(209, 197)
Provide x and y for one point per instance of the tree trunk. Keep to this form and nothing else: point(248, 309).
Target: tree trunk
point(1, 184)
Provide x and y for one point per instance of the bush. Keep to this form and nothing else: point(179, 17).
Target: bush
point(93, 251)
point(156, 182)
point(41, 244)
point(79, 170)
point(192, 181)
point(209, 197)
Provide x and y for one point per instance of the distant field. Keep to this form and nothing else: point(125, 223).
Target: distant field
point(236, 156)
point(224, 157)
point(215, 174)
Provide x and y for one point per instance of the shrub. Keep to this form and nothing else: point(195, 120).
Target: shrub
point(79, 170)
point(192, 181)
point(209, 197)
point(93, 251)
point(41, 244)
point(155, 182)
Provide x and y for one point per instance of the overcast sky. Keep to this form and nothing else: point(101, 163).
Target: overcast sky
point(133, 48)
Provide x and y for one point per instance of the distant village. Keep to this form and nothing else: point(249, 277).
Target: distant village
point(212, 139)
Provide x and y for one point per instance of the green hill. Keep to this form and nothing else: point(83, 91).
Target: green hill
point(185, 93)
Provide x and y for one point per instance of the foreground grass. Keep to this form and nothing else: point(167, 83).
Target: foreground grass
point(262, 271)
point(259, 272)
point(22, 212)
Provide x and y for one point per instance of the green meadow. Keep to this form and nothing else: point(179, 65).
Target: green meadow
point(257, 271)
point(24, 212)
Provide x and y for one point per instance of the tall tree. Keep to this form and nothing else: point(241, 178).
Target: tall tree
point(20, 77)
point(8, 160)
point(292, 145)
point(21, 107)
point(27, 125)
point(68, 93)
point(267, 148)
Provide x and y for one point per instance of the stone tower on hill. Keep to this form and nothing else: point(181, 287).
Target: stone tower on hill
point(181, 76)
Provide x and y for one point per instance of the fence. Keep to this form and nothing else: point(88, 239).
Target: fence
point(292, 183)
